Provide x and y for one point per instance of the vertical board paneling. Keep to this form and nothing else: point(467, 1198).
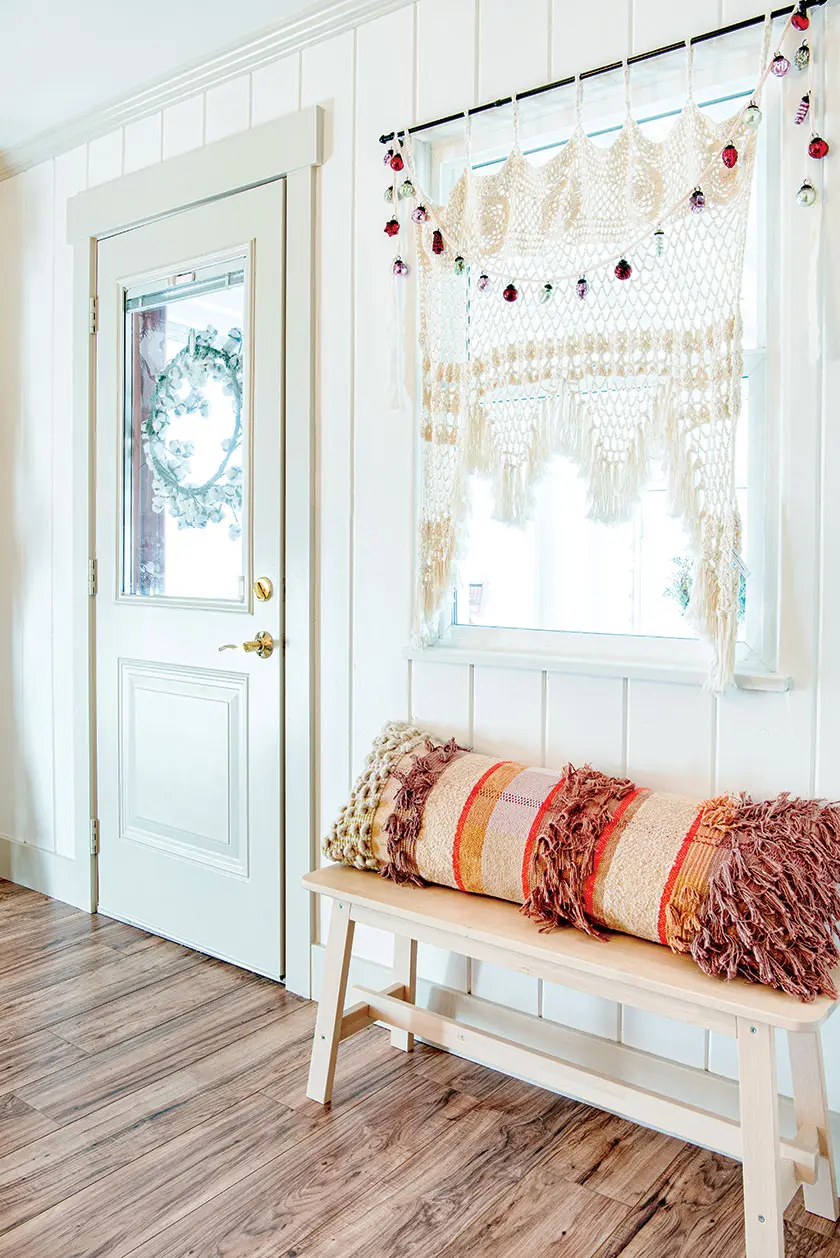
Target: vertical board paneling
point(445, 66)
point(656, 24)
point(508, 714)
point(227, 108)
point(669, 737)
point(383, 464)
point(105, 158)
point(828, 730)
point(11, 229)
point(738, 10)
point(183, 126)
point(572, 42)
point(505, 987)
point(585, 722)
point(327, 78)
point(276, 88)
point(70, 178)
point(581, 1011)
point(664, 1037)
point(34, 520)
point(762, 747)
point(440, 695)
point(143, 143)
point(514, 47)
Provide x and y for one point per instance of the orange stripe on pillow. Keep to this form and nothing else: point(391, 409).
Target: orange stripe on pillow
point(472, 823)
point(606, 835)
point(674, 875)
point(532, 836)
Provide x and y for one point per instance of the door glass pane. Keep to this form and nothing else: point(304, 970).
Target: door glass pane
point(185, 506)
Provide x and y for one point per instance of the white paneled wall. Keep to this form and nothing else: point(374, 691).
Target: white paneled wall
point(428, 58)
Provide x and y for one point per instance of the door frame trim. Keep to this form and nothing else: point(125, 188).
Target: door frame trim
point(290, 148)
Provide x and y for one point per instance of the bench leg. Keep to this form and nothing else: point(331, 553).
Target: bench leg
point(763, 1212)
point(331, 1005)
point(405, 972)
point(811, 1102)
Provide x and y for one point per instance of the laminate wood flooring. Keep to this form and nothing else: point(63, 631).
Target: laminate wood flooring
point(152, 1105)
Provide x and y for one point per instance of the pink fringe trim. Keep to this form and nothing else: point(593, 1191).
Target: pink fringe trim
point(773, 907)
point(564, 852)
point(406, 821)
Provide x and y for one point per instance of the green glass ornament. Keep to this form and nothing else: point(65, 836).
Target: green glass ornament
point(752, 116)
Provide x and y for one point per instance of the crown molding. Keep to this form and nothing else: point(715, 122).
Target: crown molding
point(315, 24)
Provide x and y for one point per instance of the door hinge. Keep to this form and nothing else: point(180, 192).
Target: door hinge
point(94, 836)
point(93, 577)
point(93, 313)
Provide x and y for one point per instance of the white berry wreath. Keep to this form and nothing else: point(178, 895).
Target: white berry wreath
point(179, 390)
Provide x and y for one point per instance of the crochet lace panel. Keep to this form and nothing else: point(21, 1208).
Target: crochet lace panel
point(639, 369)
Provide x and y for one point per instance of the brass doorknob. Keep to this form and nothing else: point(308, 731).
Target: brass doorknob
point(262, 645)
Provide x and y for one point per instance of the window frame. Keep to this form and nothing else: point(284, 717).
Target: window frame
point(438, 161)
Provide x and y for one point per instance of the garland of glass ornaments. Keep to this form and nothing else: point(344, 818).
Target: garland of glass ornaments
point(200, 361)
point(400, 190)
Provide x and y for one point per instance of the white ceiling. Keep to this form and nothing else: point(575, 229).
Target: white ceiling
point(64, 58)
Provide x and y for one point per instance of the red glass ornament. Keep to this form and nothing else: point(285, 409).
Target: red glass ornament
point(624, 270)
point(437, 241)
point(818, 147)
point(800, 20)
point(729, 156)
point(392, 227)
point(397, 162)
point(510, 293)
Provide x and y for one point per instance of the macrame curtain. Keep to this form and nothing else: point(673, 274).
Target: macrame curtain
point(610, 372)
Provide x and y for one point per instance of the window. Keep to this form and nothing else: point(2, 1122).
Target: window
point(563, 573)
point(185, 431)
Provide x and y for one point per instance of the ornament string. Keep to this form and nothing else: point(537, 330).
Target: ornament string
point(678, 206)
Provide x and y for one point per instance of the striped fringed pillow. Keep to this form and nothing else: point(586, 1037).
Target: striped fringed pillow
point(745, 888)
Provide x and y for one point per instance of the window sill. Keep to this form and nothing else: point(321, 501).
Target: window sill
point(749, 675)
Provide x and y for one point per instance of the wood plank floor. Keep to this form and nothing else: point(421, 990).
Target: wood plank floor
point(152, 1105)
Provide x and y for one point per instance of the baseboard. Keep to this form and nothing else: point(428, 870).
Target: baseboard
point(56, 876)
point(619, 1061)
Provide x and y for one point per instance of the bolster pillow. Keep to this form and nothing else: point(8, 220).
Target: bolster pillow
point(746, 889)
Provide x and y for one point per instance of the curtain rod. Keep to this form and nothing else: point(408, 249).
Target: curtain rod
point(609, 69)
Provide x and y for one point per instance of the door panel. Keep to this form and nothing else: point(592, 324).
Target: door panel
point(188, 515)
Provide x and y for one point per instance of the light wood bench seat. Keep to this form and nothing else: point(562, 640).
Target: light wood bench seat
point(630, 971)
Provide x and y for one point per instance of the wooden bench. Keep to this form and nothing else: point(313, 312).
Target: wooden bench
point(627, 970)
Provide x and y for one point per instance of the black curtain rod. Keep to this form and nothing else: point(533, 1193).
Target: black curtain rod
point(591, 74)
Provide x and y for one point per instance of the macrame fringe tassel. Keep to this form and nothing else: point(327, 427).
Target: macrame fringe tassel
point(406, 821)
point(564, 852)
point(774, 900)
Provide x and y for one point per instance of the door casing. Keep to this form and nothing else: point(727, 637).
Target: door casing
point(290, 148)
